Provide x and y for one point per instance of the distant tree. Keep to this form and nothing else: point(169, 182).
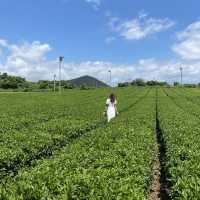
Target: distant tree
point(4, 76)
point(133, 83)
point(11, 82)
point(43, 84)
point(190, 85)
point(163, 84)
point(152, 83)
point(176, 84)
point(158, 83)
point(84, 87)
point(126, 84)
point(5, 84)
point(140, 82)
point(68, 85)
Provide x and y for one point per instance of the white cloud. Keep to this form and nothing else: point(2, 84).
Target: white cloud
point(32, 52)
point(3, 43)
point(142, 14)
point(109, 40)
point(29, 60)
point(140, 27)
point(188, 46)
point(25, 58)
point(95, 3)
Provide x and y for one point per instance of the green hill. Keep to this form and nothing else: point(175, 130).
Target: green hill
point(88, 81)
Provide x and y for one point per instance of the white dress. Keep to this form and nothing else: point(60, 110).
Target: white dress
point(111, 112)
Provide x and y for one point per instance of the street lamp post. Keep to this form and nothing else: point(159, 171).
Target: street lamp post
point(181, 70)
point(110, 78)
point(54, 82)
point(96, 84)
point(61, 58)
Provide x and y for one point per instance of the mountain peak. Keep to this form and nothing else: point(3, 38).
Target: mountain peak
point(88, 81)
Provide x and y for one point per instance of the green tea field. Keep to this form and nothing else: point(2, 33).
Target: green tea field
point(59, 146)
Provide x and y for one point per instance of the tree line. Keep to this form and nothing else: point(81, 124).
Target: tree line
point(141, 82)
point(8, 82)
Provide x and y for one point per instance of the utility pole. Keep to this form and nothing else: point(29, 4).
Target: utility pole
point(61, 58)
point(96, 84)
point(110, 78)
point(54, 82)
point(181, 70)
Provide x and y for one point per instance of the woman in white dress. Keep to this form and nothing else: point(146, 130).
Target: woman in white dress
point(111, 108)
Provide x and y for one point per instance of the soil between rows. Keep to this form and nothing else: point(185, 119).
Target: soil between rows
point(159, 189)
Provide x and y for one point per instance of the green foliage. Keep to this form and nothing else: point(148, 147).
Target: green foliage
point(176, 84)
point(11, 82)
point(190, 85)
point(156, 83)
point(84, 87)
point(68, 86)
point(59, 146)
point(141, 82)
point(180, 125)
point(138, 82)
point(97, 160)
point(43, 84)
point(126, 84)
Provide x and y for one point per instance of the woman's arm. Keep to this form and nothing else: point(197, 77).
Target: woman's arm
point(106, 108)
point(116, 111)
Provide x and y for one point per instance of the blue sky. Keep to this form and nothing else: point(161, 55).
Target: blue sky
point(147, 39)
